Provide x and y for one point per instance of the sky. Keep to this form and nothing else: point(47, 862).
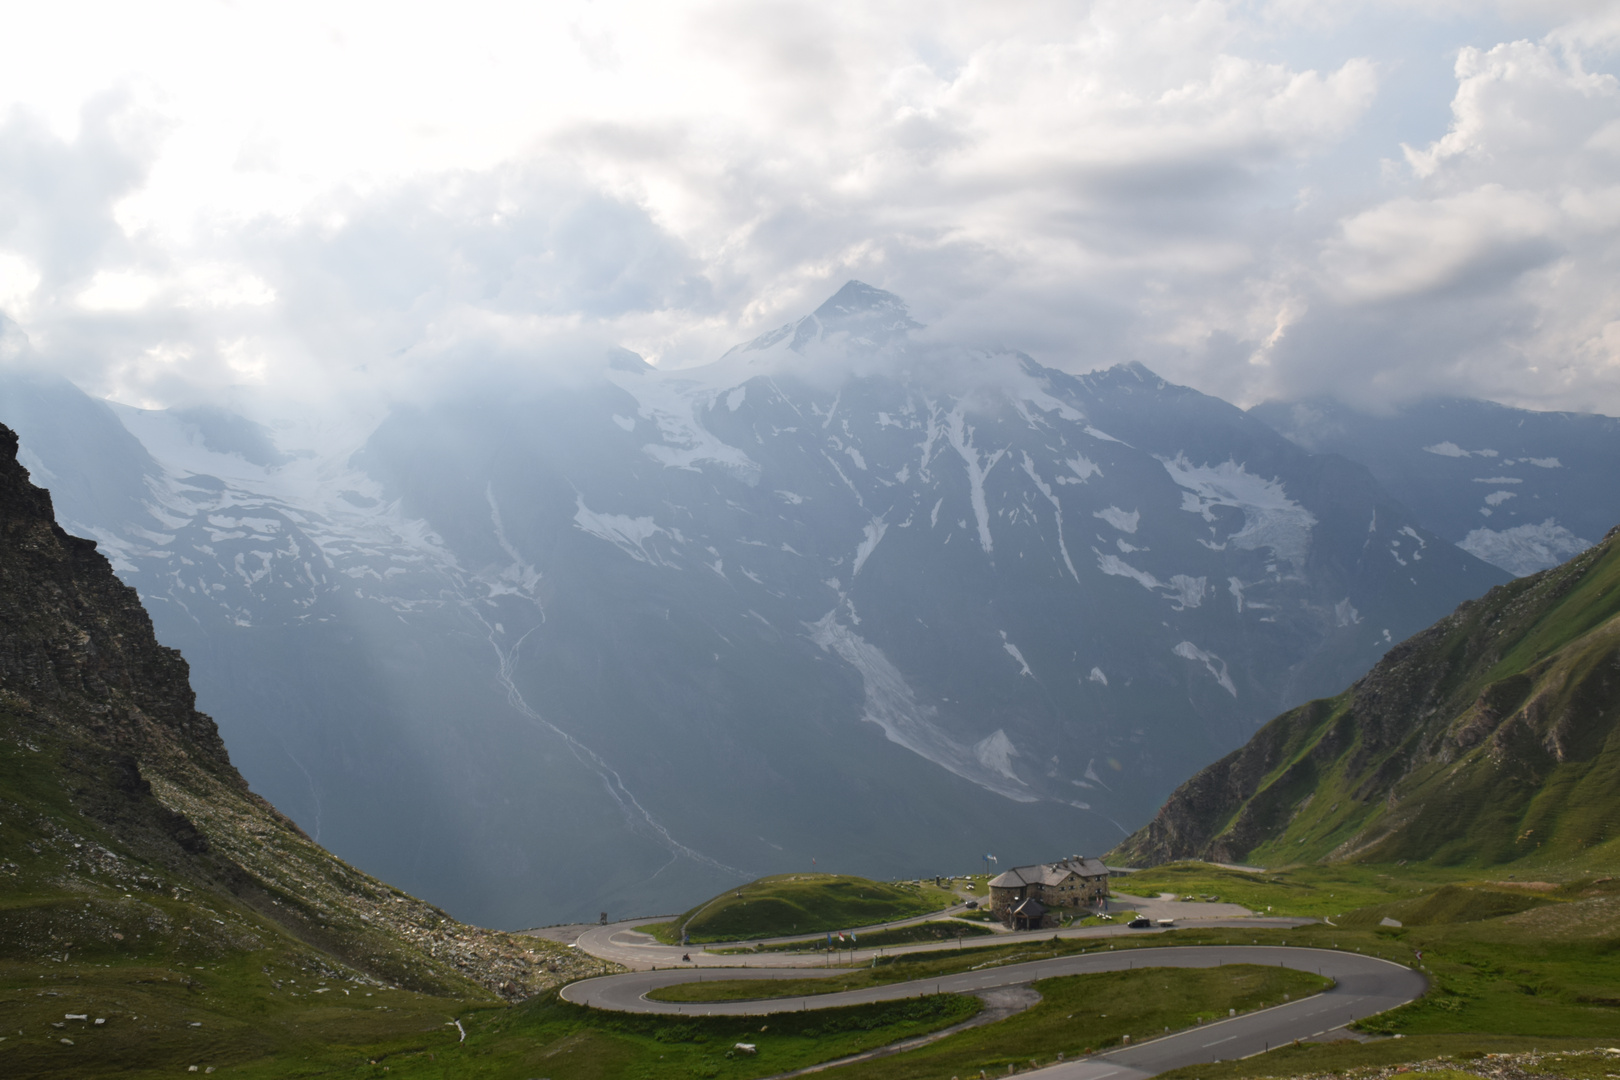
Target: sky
point(239, 201)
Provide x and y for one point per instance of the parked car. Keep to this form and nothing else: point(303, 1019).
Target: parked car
point(1141, 922)
point(973, 905)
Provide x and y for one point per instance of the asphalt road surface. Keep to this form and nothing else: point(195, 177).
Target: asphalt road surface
point(623, 944)
point(1363, 986)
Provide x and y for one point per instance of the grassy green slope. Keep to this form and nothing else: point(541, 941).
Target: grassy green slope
point(338, 975)
point(1491, 738)
point(785, 904)
point(1082, 1014)
point(115, 907)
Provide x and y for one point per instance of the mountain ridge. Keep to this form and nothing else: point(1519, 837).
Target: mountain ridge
point(1493, 737)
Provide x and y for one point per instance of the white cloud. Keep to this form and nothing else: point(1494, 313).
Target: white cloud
point(1490, 271)
point(1516, 103)
point(18, 280)
point(1410, 246)
point(119, 290)
point(292, 193)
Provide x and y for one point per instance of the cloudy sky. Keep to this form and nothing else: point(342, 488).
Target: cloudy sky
point(1260, 199)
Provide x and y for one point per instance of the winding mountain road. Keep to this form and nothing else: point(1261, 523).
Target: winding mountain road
point(623, 943)
point(1363, 986)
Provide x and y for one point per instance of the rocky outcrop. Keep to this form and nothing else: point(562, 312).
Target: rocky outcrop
point(76, 640)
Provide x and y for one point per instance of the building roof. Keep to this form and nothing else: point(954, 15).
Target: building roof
point(1048, 873)
point(1030, 908)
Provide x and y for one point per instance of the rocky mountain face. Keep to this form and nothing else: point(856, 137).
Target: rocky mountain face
point(618, 640)
point(1523, 490)
point(123, 818)
point(1491, 737)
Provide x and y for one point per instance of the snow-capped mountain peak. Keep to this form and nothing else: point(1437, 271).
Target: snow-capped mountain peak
point(858, 318)
point(828, 594)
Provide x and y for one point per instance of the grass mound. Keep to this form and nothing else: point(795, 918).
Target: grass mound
point(787, 904)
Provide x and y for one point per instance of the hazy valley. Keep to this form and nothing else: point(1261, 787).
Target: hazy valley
point(674, 629)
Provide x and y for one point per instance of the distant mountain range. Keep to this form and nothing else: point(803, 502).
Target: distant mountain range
point(1492, 737)
point(616, 641)
point(1522, 490)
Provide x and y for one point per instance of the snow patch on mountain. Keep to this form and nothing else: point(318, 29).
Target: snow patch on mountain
point(873, 535)
point(1525, 549)
point(893, 706)
point(960, 436)
point(518, 576)
point(672, 403)
point(1114, 566)
point(1187, 592)
point(631, 535)
point(1083, 469)
point(1057, 511)
point(1187, 650)
point(1012, 651)
point(1119, 519)
point(1270, 518)
point(995, 752)
point(1451, 449)
point(1411, 533)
